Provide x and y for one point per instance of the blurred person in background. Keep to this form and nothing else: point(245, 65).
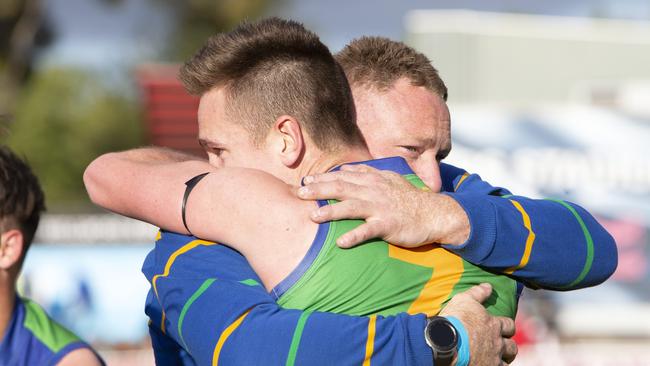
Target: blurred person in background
point(29, 335)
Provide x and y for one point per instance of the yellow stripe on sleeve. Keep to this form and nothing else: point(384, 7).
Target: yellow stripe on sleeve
point(224, 336)
point(370, 342)
point(162, 322)
point(170, 261)
point(462, 179)
point(529, 240)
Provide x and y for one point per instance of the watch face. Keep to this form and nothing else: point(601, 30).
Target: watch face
point(442, 335)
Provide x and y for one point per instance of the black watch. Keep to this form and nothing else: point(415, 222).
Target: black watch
point(442, 337)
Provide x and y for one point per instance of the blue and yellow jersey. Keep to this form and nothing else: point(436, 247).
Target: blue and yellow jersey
point(208, 307)
point(546, 243)
point(33, 339)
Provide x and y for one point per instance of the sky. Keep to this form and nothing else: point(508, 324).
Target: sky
point(338, 21)
point(95, 34)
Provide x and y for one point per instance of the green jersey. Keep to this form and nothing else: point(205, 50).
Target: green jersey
point(380, 278)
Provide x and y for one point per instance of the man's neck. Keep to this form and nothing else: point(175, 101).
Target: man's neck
point(7, 302)
point(324, 162)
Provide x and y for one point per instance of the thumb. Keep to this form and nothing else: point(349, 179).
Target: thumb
point(480, 292)
point(359, 168)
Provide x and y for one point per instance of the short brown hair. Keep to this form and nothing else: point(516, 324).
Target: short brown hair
point(274, 67)
point(378, 62)
point(21, 197)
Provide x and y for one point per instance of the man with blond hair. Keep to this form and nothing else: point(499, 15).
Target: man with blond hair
point(401, 110)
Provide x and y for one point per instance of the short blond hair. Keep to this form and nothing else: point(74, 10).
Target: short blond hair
point(378, 62)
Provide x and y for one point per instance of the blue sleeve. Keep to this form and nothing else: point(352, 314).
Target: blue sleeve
point(207, 299)
point(544, 243)
point(166, 351)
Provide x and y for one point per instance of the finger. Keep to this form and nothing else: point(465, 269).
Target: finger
point(295, 190)
point(507, 327)
point(509, 350)
point(360, 234)
point(360, 168)
point(341, 175)
point(479, 293)
point(336, 190)
point(351, 209)
point(370, 173)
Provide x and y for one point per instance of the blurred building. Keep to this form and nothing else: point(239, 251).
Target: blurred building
point(170, 112)
point(559, 107)
point(526, 59)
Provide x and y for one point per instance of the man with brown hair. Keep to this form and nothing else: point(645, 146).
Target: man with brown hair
point(271, 62)
point(392, 84)
point(304, 82)
point(28, 335)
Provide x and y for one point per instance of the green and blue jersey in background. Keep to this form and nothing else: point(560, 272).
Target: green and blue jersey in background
point(32, 338)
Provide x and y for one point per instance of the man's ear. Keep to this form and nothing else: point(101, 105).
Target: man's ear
point(11, 248)
point(291, 142)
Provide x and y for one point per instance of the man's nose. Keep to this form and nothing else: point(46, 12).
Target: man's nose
point(429, 171)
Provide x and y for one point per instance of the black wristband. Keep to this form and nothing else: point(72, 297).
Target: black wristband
point(189, 185)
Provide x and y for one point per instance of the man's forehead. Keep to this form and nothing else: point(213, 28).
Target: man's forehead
point(425, 136)
point(212, 119)
point(215, 133)
point(407, 112)
point(210, 102)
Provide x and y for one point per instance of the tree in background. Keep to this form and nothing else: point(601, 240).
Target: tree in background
point(64, 119)
point(60, 118)
point(198, 19)
point(23, 30)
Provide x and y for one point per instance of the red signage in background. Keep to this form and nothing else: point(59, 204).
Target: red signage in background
point(631, 238)
point(170, 112)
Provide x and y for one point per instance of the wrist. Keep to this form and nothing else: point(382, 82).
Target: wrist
point(462, 356)
point(449, 223)
point(481, 211)
point(442, 337)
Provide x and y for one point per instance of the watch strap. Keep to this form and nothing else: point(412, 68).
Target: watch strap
point(462, 355)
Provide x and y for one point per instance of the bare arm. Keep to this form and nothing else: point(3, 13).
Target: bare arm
point(155, 154)
point(250, 210)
